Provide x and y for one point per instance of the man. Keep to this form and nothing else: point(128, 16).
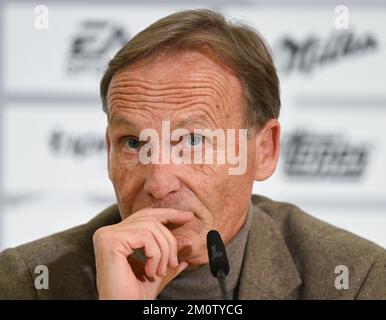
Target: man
point(194, 87)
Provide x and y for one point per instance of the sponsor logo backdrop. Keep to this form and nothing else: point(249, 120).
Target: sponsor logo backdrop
point(53, 156)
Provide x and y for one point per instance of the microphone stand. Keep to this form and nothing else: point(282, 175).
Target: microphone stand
point(221, 280)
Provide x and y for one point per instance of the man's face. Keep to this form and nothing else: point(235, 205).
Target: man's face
point(191, 91)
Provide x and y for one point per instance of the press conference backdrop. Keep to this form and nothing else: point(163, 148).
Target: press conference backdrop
point(53, 155)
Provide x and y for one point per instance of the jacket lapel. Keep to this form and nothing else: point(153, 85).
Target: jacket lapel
point(268, 271)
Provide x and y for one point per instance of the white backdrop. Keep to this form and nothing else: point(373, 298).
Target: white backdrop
point(53, 162)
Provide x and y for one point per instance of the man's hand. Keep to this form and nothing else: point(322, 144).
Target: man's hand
point(119, 276)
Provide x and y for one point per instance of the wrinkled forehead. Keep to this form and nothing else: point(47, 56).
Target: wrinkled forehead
point(180, 81)
point(179, 66)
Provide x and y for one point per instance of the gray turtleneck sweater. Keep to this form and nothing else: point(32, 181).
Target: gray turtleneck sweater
point(200, 283)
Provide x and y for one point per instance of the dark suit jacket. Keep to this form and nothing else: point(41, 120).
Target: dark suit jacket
point(289, 255)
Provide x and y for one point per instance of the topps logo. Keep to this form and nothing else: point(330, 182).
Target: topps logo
point(93, 45)
point(323, 156)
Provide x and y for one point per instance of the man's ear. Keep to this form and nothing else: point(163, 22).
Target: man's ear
point(267, 150)
point(108, 145)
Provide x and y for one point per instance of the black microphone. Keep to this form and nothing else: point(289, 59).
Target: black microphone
point(218, 261)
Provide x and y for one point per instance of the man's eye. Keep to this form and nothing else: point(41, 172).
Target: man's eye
point(193, 140)
point(132, 143)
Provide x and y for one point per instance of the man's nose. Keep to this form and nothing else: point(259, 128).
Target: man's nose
point(161, 181)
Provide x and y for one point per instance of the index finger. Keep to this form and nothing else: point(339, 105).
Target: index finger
point(173, 216)
point(165, 215)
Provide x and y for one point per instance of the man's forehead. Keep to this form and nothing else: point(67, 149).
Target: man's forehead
point(186, 67)
point(194, 120)
point(190, 81)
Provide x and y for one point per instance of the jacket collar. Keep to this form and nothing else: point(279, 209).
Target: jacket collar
point(268, 271)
